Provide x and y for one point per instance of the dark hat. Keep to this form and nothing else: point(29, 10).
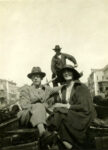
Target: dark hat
point(76, 74)
point(36, 70)
point(57, 47)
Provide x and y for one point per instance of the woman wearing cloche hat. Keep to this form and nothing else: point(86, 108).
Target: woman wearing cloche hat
point(74, 113)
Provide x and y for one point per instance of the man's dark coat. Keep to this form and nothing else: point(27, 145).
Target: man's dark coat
point(57, 63)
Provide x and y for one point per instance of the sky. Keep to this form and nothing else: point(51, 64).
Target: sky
point(30, 29)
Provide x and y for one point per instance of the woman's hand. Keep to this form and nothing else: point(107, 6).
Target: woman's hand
point(57, 105)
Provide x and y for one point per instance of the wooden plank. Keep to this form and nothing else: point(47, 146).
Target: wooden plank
point(97, 131)
point(94, 132)
point(99, 128)
point(101, 143)
point(19, 136)
point(20, 131)
point(8, 122)
point(9, 125)
point(17, 139)
point(28, 146)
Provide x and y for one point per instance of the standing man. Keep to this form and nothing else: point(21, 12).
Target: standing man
point(33, 101)
point(59, 61)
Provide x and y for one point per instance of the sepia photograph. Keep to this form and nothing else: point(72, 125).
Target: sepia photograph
point(53, 74)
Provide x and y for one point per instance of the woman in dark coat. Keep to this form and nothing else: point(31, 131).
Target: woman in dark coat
point(73, 115)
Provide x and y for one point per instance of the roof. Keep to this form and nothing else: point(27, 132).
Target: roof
point(106, 67)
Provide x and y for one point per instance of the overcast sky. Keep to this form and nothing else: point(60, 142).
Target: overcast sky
point(30, 29)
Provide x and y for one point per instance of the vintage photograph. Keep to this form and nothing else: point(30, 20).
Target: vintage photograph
point(53, 74)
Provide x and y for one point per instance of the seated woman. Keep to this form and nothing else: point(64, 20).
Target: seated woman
point(73, 115)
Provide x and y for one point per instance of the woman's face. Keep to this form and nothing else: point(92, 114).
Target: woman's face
point(68, 75)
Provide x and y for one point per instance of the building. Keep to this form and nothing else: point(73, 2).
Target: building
point(105, 70)
point(98, 81)
point(8, 91)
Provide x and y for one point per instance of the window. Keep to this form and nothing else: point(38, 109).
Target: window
point(97, 77)
point(101, 89)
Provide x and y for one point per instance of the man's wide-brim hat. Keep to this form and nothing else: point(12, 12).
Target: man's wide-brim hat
point(76, 74)
point(57, 47)
point(36, 71)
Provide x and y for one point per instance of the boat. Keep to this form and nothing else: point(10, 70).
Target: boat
point(15, 137)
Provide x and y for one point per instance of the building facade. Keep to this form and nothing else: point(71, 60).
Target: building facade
point(105, 70)
point(98, 81)
point(8, 91)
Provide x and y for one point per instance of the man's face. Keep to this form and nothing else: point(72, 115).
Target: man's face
point(57, 51)
point(68, 75)
point(36, 79)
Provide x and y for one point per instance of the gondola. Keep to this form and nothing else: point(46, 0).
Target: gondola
point(15, 137)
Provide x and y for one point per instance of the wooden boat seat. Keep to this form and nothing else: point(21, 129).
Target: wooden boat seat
point(9, 125)
point(98, 137)
point(12, 134)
